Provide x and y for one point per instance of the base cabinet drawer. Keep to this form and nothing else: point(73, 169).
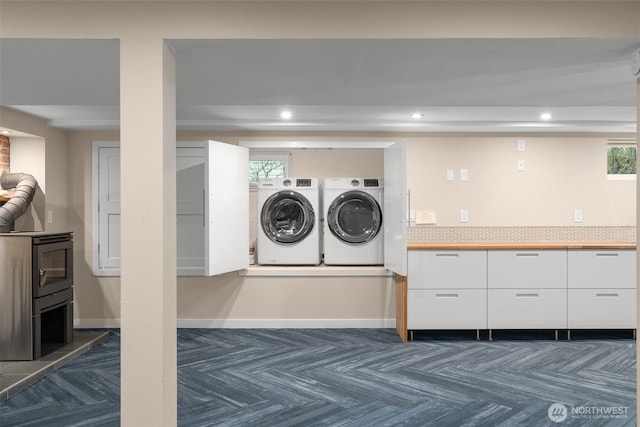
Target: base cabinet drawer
point(447, 269)
point(602, 269)
point(527, 309)
point(527, 269)
point(602, 308)
point(447, 309)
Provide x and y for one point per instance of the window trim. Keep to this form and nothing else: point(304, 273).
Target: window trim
point(621, 176)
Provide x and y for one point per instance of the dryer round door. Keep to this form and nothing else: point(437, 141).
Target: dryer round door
point(287, 217)
point(354, 217)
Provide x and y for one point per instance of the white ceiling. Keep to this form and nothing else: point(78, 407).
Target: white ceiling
point(479, 85)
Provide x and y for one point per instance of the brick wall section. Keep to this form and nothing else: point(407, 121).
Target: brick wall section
point(5, 159)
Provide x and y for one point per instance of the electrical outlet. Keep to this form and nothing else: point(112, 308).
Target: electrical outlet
point(464, 174)
point(521, 165)
point(521, 145)
point(449, 174)
point(577, 215)
point(464, 215)
point(49, 217)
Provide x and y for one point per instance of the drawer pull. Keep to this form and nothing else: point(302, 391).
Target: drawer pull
point(451, 255)
point(528, 255)
point(608, 295)
point(535, 295)
point(447, 295)
point(606, 254)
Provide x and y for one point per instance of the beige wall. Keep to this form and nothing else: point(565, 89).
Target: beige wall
point(562, 173)
point(50, 169)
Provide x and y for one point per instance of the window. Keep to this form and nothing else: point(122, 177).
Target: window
point(621, 160)
point(268, 165)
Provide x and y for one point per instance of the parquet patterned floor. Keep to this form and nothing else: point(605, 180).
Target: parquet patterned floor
point(355, 377)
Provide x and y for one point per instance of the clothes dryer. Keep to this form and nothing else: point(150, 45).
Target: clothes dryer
point(352, 209)
point(289, 221)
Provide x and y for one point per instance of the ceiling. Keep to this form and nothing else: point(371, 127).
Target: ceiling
point(460, 85)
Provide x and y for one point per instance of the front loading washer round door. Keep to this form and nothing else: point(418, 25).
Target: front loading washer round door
point(287, 217)
point(354, 217)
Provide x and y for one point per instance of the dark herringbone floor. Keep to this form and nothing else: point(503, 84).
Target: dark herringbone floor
point(353, 377)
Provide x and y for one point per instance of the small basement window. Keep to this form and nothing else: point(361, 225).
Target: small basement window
point(268, 166)
point(621, 161)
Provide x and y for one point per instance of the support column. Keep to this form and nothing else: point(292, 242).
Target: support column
point(148, 232)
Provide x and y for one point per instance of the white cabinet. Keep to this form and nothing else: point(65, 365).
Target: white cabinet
point(602, 309)
point(527, 309)
point(527, 289)
point(447, 309)
point(521, 289)
point(602, 289)
point(602, 269)
point(528, 269)
point(447, 269)
point(447, 289)
point(212, 218)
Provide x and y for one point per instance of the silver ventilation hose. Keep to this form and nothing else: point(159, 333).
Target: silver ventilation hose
point(25, 186)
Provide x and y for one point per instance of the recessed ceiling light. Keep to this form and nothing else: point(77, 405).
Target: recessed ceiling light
point(545, 116)
point(286, 115)
point(417, 116)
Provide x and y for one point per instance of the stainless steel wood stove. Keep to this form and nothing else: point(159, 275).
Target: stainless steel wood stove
point(36, 293)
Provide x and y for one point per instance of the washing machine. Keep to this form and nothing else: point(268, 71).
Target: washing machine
point(289, 226)
point(352, 230)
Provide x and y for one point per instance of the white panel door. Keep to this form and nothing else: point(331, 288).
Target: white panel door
point(226, 208)
point(109, 210)
point(190, 168)
point(395, 208)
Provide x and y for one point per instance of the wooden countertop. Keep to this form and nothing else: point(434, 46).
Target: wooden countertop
point(520, 245)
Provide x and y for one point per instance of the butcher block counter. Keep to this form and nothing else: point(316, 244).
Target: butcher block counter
point(469, 285)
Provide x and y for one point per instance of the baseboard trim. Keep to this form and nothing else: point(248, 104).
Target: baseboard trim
point(287, 323)
point(254, 323)
point(96, 323)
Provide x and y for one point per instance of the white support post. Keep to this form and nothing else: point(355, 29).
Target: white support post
point(148, 240)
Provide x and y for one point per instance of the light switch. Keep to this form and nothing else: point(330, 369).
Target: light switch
point(449, 174)
point(464, 215)
point(577, 215)
point(464, 174)
point(521, 164)
point(521, 145)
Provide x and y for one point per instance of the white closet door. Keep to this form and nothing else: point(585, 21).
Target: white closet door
point(190, 169)
point(109, 210)
point(395, 208)
point(227, 208)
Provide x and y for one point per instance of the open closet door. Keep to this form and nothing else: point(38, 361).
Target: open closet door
point(395, 208)
point(226, 208)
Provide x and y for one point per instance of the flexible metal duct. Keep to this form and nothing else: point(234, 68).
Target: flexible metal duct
point(25, 186)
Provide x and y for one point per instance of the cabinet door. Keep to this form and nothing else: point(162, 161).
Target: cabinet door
point(602, 269)
point(527, 269)
point(190, 164)
point(527, 309)
point(227, 208)
point(447, 269)
point(447, 309)
point(212, 201)
point(395, 208)
point(602, 308)
point(106, 184)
